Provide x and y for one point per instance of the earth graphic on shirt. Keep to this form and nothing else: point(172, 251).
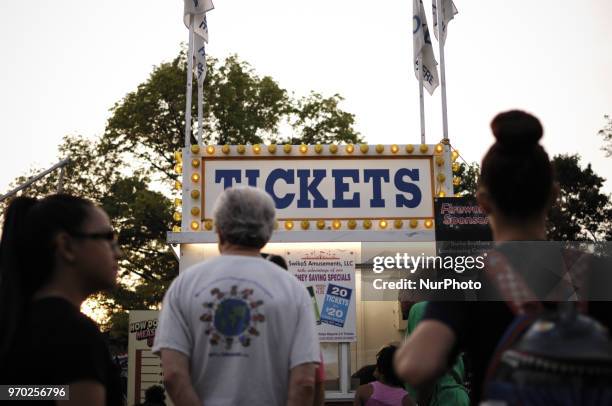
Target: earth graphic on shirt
point(232, 317)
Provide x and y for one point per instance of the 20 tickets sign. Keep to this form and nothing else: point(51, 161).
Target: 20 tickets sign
point(329, 277)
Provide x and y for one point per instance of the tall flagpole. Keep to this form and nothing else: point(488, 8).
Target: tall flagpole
point(421, 98)
point(189, 85)
point(442, 68)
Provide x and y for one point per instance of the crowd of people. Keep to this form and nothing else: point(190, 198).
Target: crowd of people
point(237, 329)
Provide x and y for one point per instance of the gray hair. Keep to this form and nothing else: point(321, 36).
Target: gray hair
point(244, 216)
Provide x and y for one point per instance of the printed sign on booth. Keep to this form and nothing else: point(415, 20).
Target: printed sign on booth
point(329, 277)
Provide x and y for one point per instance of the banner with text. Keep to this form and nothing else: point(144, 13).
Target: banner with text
point(329, 277)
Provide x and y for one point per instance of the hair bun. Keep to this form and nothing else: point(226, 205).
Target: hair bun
point(516, 130)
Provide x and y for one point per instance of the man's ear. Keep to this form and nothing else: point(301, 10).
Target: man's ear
point(64, 246)
point(484, 200)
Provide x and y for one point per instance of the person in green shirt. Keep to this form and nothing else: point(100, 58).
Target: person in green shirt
point(450, 389)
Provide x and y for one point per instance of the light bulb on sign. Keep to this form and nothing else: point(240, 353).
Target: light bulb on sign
point(210, 149)
point(336, 224)
point(195, 225)
point(195, 177)
point(394, 148)
point(410, 148)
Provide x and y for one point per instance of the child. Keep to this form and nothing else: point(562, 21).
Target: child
point(387, 390)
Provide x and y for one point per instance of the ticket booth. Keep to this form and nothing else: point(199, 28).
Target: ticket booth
point(338, 206)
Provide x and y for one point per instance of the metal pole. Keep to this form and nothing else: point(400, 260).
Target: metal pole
point(440, 10)
point(33, 179)
point(200, 112)
point(60, 183)
point(189, 85)
point(421, 98)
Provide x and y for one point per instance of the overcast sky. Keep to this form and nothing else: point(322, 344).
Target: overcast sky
point(66, 62)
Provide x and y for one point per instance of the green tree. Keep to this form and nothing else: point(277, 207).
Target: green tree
point(583, 211)
point(240, 107)
point(468, 173)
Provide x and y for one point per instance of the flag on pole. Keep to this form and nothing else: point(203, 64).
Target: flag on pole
point(448, 13)
point(198, 9)
point(423, 49)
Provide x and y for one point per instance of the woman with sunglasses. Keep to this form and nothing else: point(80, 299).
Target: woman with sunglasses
point(54, 253)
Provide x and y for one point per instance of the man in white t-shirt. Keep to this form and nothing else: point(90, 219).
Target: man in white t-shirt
point(237, 329)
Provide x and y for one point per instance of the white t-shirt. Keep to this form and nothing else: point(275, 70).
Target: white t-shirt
point(244, 322)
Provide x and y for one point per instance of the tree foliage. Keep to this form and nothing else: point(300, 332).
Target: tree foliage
point(606, 133)
point(240, 107)
point(583, 211)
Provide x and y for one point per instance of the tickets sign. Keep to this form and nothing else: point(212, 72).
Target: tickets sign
point(329, 188)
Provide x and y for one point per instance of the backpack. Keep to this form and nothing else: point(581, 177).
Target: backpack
point(560, 357)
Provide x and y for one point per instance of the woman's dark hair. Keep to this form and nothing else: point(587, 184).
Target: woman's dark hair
point(27, 252)
point(516, 170)
point(384, 365)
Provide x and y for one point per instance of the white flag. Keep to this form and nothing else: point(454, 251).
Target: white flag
point(448, 13)
point(422, 48)
point(197, 9)
point(200, 59)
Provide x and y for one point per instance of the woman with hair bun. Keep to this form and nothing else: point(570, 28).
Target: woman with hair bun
point(54, 253)
point(516, 189)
